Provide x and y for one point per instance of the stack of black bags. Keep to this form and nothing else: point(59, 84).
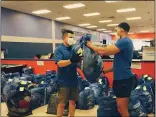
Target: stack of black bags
point(141, 102)
point(24, 93)
point(88, 95)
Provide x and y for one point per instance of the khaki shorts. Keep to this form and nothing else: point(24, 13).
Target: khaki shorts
point(66, 94)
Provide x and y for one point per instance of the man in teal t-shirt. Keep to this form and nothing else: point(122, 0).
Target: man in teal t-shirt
point(67, 61)
point(123, 77)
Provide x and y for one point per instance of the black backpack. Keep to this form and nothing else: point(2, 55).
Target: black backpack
point(19, 104)
point(53, 104)
point(107, 107)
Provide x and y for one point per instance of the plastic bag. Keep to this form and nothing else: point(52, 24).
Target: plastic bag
point(92, 63)
point(86, 99)
point(135, 108)
point(141, 93)
point(97, 89)
point(35, 100)
point(107, 107)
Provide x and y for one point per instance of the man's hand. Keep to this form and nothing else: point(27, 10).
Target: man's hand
point(104, 72)
point(76, 58)
point(89, 43)
point(107, 70)
point(87, 37)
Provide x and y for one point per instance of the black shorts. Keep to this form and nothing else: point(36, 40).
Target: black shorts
point(123, 88)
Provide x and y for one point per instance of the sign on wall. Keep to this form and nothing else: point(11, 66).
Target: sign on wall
point(40, 63)
point(136, 65)
point(148, 53)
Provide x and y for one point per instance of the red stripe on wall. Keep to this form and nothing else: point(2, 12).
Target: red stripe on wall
point(149, 36)
point(48, 65)
point(109, 75)
point(147, 68)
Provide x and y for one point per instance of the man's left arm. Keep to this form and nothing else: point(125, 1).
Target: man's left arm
point(109, 50)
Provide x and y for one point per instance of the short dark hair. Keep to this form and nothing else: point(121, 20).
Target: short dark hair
point(64, 31)
point(125, 26)
point(38, 56)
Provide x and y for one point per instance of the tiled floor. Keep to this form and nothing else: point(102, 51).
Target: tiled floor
point(42, 112)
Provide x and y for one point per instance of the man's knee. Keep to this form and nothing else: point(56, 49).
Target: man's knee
point(61, 105)
point(122, 104)
point(72, 103)
point(118, 108)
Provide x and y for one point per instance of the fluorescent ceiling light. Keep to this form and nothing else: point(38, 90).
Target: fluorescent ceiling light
point(101, 29)
point(41, 11)
point(72, 6)
point(133, 18)
point(91, 14)
point(63, 18)
point(107, 31)
point(126, 10)
point(91, 26)
point(131, 33)
point(113, 33)
point(111, 1)
point(105, 21)
point(144, 31)
point(84, 24)
point(112, 24)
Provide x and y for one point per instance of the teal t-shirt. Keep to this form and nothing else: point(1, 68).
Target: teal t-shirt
point(123, 59)
point(67, 75)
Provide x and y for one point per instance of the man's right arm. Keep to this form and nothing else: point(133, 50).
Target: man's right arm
point(108, 70)
point(63, 63)
point(58, 57)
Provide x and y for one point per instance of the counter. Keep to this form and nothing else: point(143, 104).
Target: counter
point(133, 60)
point(12, 68)
point(139, 67)
point(105, 60)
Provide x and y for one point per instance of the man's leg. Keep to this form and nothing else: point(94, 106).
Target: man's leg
point(122, 104)
point(73, 97)
point(122, 90)
point(72, 108)
point(60, 110)
point(63, 96)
